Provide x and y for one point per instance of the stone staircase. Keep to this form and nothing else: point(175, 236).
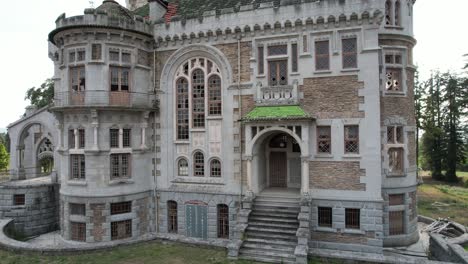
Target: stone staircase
point(271, 232)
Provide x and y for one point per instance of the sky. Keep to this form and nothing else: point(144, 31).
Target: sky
point(440, 30)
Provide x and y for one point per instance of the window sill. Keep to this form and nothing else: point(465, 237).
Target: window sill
point(121, 181)
point(295, 73)
point(396, 175)
point(323, 156)
point(139, 66)
point(261, 76)
point(179, 142)
point(325, 229)
point(198, 130)
point(353, 231)
point(18, 207)
point(323, 72)
point(351, 156)
point(220, 117)
point(393, 27)
point(198, 180)
point(389, 93)
point(97, 62)
point(77, 183)
point(350, 70)
point(305, 54)
point(117, 64)
point(121, 151)
point(76, 151)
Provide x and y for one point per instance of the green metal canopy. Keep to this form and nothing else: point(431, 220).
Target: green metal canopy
point(285, 112)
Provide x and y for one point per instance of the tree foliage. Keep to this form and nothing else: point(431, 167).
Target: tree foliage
point(41, 96)
point(4, 157)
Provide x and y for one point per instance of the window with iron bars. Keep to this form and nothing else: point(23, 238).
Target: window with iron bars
point(172, 217)
point(396, 222)
point(182, 109)
point(114, 137)
point(198, 164)
point(121, 229)
point(71, 139)
point(294, 58)
point(121, 208)
point(78, 231)
point(278, 72)
point(261, 62)
point(126, 138)
point(394, 135)
point(120, 166)
point(324, 139)
point(351, 139)
point(19, 199)
point(81, 138)
point(352, 218)
point(77, 209)
point(396, 199)
point(182, 167)
point(277, 50)
point(214, 96)
point(198, 99)
point(223, 221)
point(322, 55)
point(215, 168)
point(77, 166)
point(325, 218)
point(349, 52)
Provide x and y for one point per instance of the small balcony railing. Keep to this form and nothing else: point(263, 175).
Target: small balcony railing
point(105, 98)
point(277, 95)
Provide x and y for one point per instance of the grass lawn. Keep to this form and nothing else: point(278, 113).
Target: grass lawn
point(138, 254)
point(437, 199)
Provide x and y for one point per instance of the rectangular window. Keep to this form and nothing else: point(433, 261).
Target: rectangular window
point(325, 216)
point(394, 135)
point(396, 199)
point(121, 208)
point(78, 167)
point(223, 221)
point(81, 138)
point(71, 139)
point(305, 44)
point(126, 57)
point(396, 161)
point(322, 55)
point(96, 52)
point(81, 55)
point(114, 55)
point(172, 217)
point(77, 209)
point(352, 218)
point(114, 138)
point(393, 83)
point(349, 49)
point(278, 72)
point(78, 231)
point(126, 138)
point(71, 56)
point(277, 50)
point(78, 79)
point(294, 55)
point(324, 139)
point(19, 199)
point(120, 166)
point(351, 139)
point(121, 229)
point(119, 79)
point(261, 58)
point(396, 221)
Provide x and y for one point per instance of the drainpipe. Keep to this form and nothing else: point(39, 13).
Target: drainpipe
point(240, 115)
point(155, 196)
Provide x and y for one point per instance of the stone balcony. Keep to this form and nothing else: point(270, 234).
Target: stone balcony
point(277, 95)
point(121, 99)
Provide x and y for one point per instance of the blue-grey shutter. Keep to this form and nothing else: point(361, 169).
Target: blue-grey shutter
point(196, 221)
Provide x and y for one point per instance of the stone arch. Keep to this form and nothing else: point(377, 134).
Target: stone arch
point(261, 136)
point(45, 156)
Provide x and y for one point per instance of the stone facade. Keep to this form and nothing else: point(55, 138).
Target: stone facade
point(335, 175)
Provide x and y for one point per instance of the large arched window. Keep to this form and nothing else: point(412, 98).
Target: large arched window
point(397, 21)
point(198, 164)
point(171, 216)
point(182, 167)
point(182, 109)
point(388, 12)
point(198, 98)
point(214, 95)
point(215, 168)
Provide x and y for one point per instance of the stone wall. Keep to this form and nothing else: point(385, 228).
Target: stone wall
point(39, 214)
point(332, 97)
point(231, 53)
point(98, 219)
point(411, 148)
point(336, 175)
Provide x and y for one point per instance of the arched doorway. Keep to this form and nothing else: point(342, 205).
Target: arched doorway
point(45, 157)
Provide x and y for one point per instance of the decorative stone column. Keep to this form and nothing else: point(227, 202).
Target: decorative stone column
point(248, 160)
point(305, 175)
point(95, 125)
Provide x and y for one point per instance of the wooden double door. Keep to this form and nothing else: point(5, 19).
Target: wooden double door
point(278, 169)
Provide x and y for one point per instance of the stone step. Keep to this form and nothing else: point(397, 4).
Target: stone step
point(279, 257)
point(286, 225)
point(269, 247)
point(271, 230)
point(257, 258)
point(274, 215)
point(271, 242)
point(275, 209)
point(288, 203)
point(267, 218)
point(267, 236)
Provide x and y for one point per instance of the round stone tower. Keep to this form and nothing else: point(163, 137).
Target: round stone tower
point(104, 103)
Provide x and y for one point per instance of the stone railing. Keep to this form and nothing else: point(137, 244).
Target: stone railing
point(105, 98)
point(277, 95)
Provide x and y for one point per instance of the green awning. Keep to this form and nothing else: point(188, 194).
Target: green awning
point(285, 112)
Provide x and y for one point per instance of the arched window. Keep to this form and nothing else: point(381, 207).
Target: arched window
point(214, 95)
point(388, 13)
point(171, 216)
point(223, 221)
point(198, 164)
point(198, 98)
point(182, 167)
point(182, 109)
point(215, 168)
point(397, 21)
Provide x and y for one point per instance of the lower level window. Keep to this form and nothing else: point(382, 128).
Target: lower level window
point(325, 216)
point(172, 217)
point(121, 229)
point(19, 199)
point(120, 166)
point(223, 221)
point(352, 218)
point(396, 221)
point(78, 231)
